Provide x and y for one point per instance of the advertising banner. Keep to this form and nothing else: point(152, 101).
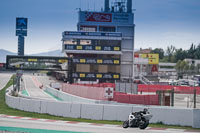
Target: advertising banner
point(147, 58)
point(21, 23)
point(37, 63)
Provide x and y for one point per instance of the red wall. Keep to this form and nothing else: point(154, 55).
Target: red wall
point(97, 93)
point(136, 99)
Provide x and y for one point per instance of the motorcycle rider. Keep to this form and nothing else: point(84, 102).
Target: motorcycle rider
point(137, 116)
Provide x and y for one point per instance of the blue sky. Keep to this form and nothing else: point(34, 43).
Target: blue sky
point(159, 23)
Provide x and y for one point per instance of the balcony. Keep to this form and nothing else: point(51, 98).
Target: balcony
point(92, 49)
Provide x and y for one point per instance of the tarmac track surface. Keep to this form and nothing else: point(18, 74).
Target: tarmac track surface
point(32, 87)
point(58, 126)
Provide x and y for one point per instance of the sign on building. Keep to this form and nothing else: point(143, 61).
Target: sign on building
point(146, 58)
point(99, 17)
point(37, 63)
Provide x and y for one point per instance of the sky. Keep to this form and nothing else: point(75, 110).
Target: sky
point(159, 23)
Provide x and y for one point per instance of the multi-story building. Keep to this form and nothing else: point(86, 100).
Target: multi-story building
point(102, 48)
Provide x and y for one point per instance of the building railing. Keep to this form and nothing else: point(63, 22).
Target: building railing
point(100, 61)
point(92, 47)
point(106, 76)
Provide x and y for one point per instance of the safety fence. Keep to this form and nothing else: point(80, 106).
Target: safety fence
point(178, 89)
point(179, 96)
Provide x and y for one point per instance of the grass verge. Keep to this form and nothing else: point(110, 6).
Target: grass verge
point(4, 109)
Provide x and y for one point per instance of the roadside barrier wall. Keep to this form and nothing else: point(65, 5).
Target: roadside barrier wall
point(166, 115)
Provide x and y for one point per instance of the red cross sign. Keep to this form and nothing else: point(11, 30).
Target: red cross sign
point(109, 92)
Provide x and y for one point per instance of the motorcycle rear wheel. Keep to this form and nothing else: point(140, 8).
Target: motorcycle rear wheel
point(144, 124)
point(126, 124)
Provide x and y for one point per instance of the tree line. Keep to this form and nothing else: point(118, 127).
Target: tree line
point(174, 55)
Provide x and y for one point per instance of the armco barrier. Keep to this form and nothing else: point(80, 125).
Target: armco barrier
point(166, 115)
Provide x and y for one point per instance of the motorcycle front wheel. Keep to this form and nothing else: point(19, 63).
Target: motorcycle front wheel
point(126, 124)
point(143, 124)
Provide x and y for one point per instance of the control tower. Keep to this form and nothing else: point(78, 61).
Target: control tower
point(103, 45)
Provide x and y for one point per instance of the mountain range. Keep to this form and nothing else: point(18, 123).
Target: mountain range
point(4, 53)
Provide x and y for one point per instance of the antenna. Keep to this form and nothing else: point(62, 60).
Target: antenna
point(94, 5)
point(88, 5)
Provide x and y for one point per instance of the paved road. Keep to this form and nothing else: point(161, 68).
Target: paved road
point(32, 87)
point(4, 78)
point(77, 127)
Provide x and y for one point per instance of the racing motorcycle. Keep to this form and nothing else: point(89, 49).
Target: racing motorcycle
point(138, 119)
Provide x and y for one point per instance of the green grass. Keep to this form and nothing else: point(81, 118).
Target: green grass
point(4, 109)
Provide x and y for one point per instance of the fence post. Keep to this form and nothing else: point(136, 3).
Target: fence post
point(172, 97)
point(125, 87)
point(195, 95)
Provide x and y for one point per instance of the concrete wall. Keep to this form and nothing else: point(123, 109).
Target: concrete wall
point(166, 115)
point(70, 98)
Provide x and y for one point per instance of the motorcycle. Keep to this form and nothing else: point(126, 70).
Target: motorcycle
point(138, 119)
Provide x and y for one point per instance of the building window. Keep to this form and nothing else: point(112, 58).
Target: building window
point(70, 41)
point(107, 29)
point(109, 42)
point(85, 42)
point(88, 28)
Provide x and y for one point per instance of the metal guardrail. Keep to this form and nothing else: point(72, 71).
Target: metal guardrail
point(145, 80)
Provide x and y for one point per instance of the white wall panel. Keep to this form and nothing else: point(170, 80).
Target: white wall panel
point(92, 111)
point(196, 118)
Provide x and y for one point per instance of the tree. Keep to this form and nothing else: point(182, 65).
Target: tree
point(186, 67)
point(192, 68)
point(191, 52)
point(180, 54)
point(197, 52)
point(178, 66)
point(170, 52)
point(198, 68)
point(159, 51)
